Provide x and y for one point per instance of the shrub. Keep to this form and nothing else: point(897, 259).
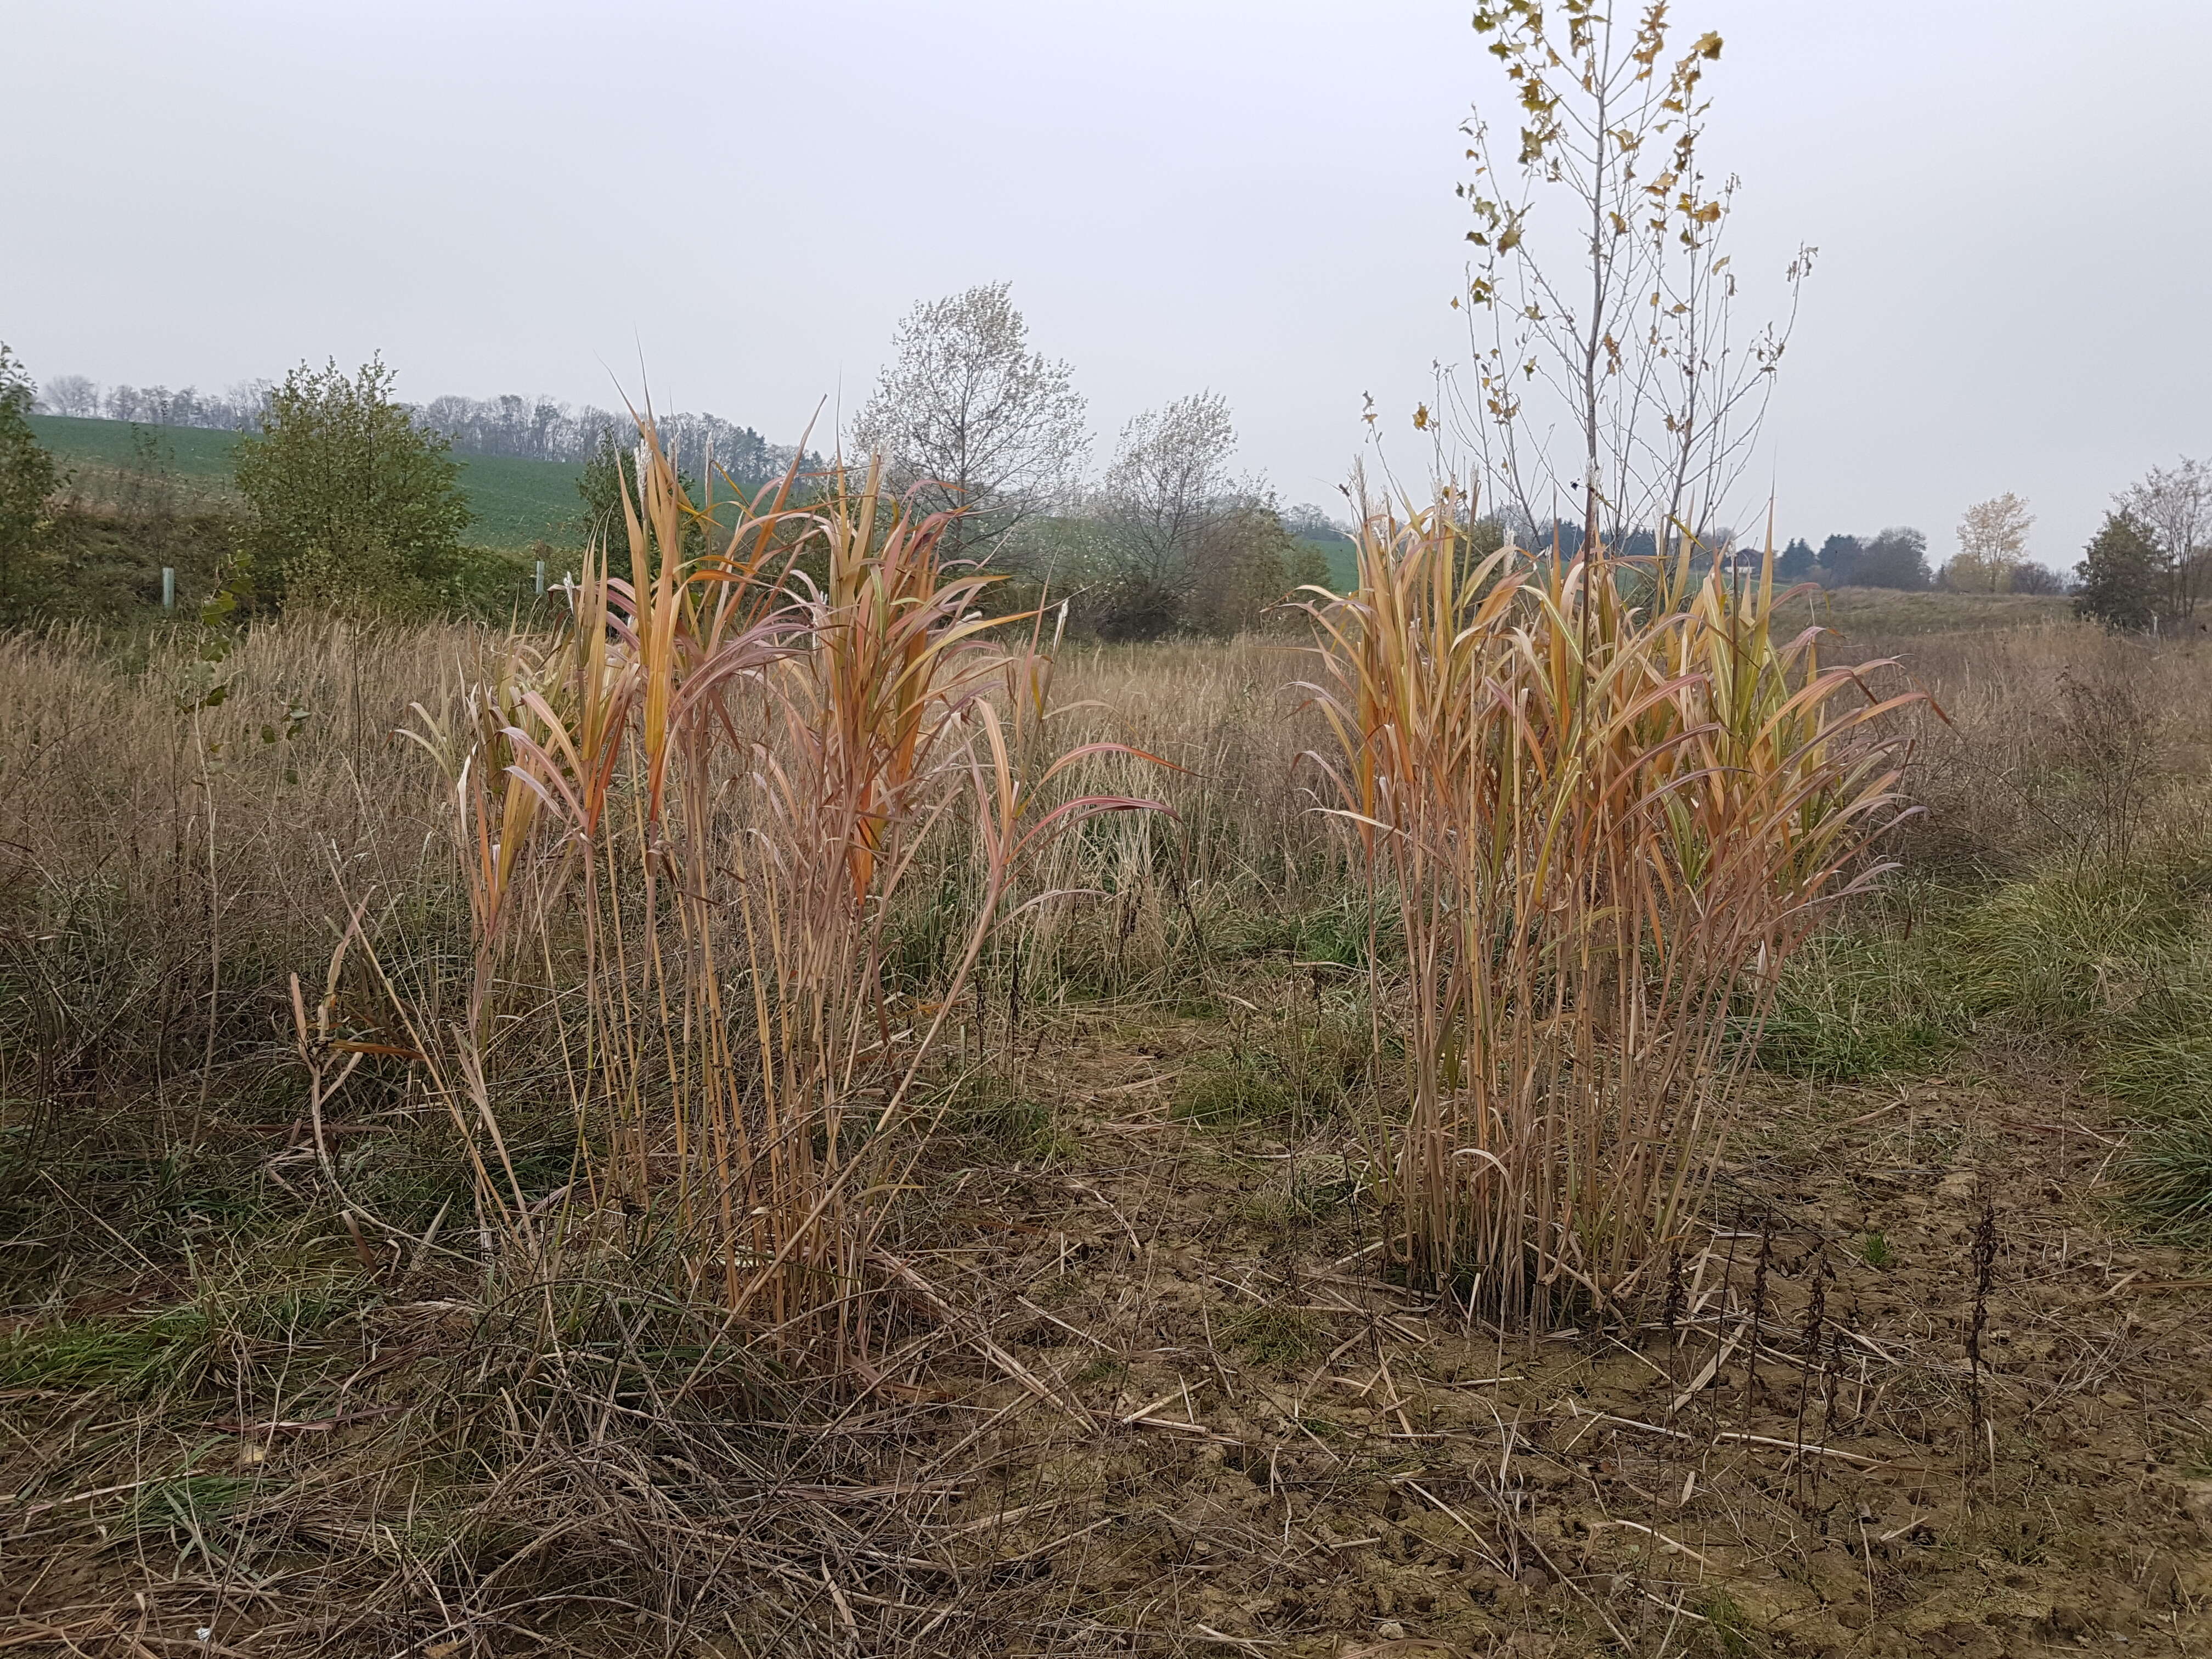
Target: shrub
point(27, 478)
point(2119, 581)
point(353, 502)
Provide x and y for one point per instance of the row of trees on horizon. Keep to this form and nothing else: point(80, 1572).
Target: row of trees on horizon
point(351, 494)
point(1171, 536)
point(530, 428)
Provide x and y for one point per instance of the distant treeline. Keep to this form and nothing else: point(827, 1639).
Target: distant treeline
point(1897, 558)
point(530, 428)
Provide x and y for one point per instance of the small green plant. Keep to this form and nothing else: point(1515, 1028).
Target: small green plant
point(2169, 1173)
point(1874, 1251)
point(1013, 1121)
point(1275, 1336)
point(186, 1506)
point(1106, 1368)
point(1731, 1631)
point(1239, 1091)
point(1061, 1288)
point(2024, 1543)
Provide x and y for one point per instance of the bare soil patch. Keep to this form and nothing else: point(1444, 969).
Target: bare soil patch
point(1152, 1397)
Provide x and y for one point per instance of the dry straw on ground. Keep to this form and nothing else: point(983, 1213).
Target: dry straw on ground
point(1132, 1380)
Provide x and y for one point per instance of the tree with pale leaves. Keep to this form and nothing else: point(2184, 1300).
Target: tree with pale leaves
point(966, 416)
point(1992, 546)
point(1189, 543)
point(1608, 382)
point(1168, 482)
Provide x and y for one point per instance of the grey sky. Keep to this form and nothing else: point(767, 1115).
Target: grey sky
point(1253, 196)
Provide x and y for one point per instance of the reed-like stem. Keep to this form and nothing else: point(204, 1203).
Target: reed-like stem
point(699, 807)
point(1606, 801)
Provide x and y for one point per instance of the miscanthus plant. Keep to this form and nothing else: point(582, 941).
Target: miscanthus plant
point(1608, 799)
point(686, 824)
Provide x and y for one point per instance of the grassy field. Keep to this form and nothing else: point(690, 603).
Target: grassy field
point(1340, 557)
point(191, 453)
point(1885, 614)
point(515, 502)
point(313, 1340)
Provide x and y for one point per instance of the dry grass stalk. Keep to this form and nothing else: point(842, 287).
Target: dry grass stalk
point(724, 772)
point(1608, 799)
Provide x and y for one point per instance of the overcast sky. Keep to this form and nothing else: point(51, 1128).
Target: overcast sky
point(1249, 196)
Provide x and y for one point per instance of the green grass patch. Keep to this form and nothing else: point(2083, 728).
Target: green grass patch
point(199, 454)
point(516, 502)
point(281, 1294)
point(1236, 1090)
point(1855, 1004)
point(2168, 1175)
point(1276, 1336)
point(2116, 965)
point(1014, 1122)
point(187, 1507)
point(2160, 1073)
point(1878, 613)
point(1729, 1627)
point(2068, 956)
point(130, 1356)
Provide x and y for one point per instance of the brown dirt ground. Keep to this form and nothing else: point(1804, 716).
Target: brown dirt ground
point(1178, 1411)
point(1296, 1459)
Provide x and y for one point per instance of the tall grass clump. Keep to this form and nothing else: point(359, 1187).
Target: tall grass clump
point(688, 824)
point(1608, 799)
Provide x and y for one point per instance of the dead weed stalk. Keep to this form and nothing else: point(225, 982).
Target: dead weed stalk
point(710, 792)
point(1608, 799)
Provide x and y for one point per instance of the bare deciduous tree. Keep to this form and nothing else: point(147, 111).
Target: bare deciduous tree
point(967, 415)
point(1164, 509)
point(1615, 317)
point(1992, 544)
point(1168, 482)
point(2175, 505)
point(71, 394)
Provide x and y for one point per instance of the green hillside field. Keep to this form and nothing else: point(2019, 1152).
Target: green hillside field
point(1343, 559)
point(515, 502)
